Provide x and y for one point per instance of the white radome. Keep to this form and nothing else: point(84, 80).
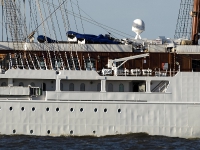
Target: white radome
point(138, 27)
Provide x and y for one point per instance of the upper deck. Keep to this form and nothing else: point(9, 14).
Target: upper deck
point(161, 61)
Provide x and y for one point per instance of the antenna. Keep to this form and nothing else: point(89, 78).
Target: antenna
point(138, 27)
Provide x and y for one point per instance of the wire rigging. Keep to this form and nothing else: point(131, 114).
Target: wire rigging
point(92, 21)
point(80, 15)
point(74, 15)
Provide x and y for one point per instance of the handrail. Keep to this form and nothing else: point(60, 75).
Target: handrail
point(160, 85)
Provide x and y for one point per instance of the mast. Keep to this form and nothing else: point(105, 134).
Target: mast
point(184, 21)
point(13, 20)
point(195, 22)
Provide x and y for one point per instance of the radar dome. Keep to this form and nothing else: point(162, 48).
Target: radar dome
point(138, 27)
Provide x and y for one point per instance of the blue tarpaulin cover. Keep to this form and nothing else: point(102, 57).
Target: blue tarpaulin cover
point(42, 39)
point(89, 38)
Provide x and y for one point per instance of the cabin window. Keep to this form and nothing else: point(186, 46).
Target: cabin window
point(73, 62)
point(110, 87)
point(99, 87)
point(82, 87)
point(71, 87)
point(32, 84)
point(54, 64)
point(121, 88)
point(41, 61)
point(59, 63)
point(21, 84)
point(3, 84)
point(35, 61)
point(90, 63)
point(61, 86)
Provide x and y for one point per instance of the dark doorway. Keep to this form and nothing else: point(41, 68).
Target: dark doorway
point(196, 65)
point(136, 87)
point(139, 86)
point(44, 86)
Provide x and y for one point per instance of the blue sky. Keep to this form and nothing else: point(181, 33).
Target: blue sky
point(160, 17)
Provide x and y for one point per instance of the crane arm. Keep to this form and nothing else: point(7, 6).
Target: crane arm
point(131, 57)
point(112, 63)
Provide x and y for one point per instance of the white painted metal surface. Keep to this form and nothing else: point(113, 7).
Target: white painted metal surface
point(91, 112)
point(67, 47)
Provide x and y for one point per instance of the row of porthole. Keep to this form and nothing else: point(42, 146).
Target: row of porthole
point(71, 109)
point(49, 132)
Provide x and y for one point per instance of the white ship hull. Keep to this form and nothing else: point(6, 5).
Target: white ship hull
point(168, 119)
point(173, 113)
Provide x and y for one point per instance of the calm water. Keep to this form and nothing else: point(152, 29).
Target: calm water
point(131, 141)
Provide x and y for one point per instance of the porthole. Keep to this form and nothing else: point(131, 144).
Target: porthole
point(47, 109)
point(10, 108)
point(57, 109)
point(33, 108)
point(22, 108)
point(31, 131)
point(71, 109)
point(105, 110)
point(48, 132)
point(71, 132)
point(81, 110)
point(119, 110)
point(94, 132)
point(57, 72)
point(14, 131)
point(95, 110)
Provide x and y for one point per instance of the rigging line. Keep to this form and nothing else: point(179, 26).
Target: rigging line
point(7, 19)
point(65, 26)
point(6, 28)
point(30, 13)
point(55, 35)
point(74, 16)
point(70, 46)
point(52, 45)
point(80, 16)
point(46, 23)
point(69, 28)
point(2, 21)
point(35, 12)
point(48, 51)
point(92, 20)
point(38, 3)
point(52, 22)
point(20, 32)
point(25, 26)
point(57, 19)
point(63, 17)
point(50, 15)
point(108, 30)
point(100, 25)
